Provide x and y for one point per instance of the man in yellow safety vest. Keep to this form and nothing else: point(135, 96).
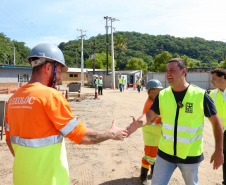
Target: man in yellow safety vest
point(219, 95)
point(123, 83)
point(138, 83)
point(182, 107)
point(120, 83)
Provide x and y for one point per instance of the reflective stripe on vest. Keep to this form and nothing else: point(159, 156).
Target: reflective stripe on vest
point(120, 81)
point(182, 127)
point(35, 143)
point(220, 104)
point(149, 160)
point(154, 122)
point(69, 127)
point(182, 139)
point(6, 126)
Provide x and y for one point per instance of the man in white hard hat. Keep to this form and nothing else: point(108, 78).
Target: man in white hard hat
point(100, 86)
point(38, 118)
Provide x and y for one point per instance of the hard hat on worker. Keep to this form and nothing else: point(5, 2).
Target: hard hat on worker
point(101, 77)
point(153, 83)
point(46, 52)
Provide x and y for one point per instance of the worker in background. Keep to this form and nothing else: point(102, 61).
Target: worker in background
point(100, 84)
point(151, 133)
point(96, 83)
point(182, 107)
point(218, 95)
point(142, 84)
point(120, 83)
point(138, 82)
point(38, 118)
point(123, 83)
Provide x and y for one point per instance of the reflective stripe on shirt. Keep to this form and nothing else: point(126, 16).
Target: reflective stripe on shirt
point(69, 127)
point(182, 139)
point(35, 143)
point(6, 126)
point(182, 128)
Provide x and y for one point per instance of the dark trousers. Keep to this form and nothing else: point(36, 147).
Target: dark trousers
point(138, 88)
point(224, 165)
point(100, 90)
point(120, 87)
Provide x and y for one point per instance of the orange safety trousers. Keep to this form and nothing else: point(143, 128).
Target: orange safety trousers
point(151, 154)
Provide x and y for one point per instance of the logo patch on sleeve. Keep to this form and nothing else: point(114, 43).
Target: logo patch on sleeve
point(189, 108)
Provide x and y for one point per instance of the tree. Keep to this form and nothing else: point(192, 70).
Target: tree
point(160, 62)
point(137, 63)
point(120, 43)
point(222, 64)
point(100, 61)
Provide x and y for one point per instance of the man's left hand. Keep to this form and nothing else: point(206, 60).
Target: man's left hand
point(218, 159)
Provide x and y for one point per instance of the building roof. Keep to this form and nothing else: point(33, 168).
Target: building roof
point(127, 71)
point(14, 67)
point(74, 70)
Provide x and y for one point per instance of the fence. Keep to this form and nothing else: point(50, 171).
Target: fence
point(201, 79)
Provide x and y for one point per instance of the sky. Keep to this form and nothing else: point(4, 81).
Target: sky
point(53, 21)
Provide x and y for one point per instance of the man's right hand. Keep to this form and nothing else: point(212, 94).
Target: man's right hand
point(118, 133)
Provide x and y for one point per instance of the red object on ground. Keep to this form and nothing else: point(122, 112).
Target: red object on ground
point(66, 96)
point(134, 87)
point(79, 94)
point(8, 91)
point(96, 95)
point(127, 87)
point(111, 86)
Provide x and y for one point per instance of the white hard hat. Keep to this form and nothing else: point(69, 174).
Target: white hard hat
point(101, 76)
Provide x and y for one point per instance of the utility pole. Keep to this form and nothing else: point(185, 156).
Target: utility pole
point(82, 74)
point(14, 60)
point(106, 17)
point(112, 52)
point(94, 48)
point(76, 59)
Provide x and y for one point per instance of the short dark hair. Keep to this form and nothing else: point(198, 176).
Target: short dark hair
point(219, 72)
point(182, 64)
point(38, 68)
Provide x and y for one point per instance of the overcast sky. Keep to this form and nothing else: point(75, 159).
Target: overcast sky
point(54, 21)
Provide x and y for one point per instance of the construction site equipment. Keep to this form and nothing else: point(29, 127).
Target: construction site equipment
point(79, 94)
point(8, 90)
point(134, 87)
point(3, 105)
point(74, 87)
point(66, 95)
point(111, 86)
point(153, 83)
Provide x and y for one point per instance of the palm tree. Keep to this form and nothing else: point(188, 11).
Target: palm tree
point(120, 43)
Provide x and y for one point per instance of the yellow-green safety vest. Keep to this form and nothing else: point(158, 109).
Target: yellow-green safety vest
point(220, 104)
point(139, 82)
point(182, 127)
point(123, 82)
point(96, 82)
point(100, 83)
point(120, 81)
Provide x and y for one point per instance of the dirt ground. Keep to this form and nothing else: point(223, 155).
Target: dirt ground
point(113, 162)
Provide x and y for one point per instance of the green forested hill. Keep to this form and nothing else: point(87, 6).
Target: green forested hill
point(7, 51)
point(144, 46)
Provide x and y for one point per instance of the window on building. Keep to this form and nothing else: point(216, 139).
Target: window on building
point(23, 78)
point(70, 75)
point(75, 75)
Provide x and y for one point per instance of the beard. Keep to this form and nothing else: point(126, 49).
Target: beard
point(51, 81)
